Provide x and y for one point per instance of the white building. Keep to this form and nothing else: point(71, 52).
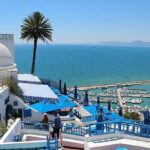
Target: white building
point(8, 69)
point(7, 59)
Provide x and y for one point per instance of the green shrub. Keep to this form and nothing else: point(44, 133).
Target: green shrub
point(12, 86)
point(131, 115)
point(3, 129)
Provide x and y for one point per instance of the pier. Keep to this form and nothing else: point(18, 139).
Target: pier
point(90, 87)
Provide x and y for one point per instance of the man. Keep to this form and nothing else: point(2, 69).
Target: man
point(56, 125)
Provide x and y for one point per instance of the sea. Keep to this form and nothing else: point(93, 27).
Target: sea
point(87, 64)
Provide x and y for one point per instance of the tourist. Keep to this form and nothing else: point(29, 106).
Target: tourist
point(56, 125)
point(99, 120)
point(45, 118)
point(45, 121)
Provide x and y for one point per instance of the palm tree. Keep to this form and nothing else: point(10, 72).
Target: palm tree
point(36, 27)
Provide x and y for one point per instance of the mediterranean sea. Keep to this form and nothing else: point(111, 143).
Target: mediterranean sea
point(86, 64)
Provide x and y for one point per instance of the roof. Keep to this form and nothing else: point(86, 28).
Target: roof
point(37, 90)
point(28, 78)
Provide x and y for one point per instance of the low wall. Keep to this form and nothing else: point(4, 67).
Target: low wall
point(26, 144)
point(13, 130)
point(36, 132)
point(115, 135)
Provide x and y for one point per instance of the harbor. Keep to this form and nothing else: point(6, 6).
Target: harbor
point(131, 99)
point(120, 84)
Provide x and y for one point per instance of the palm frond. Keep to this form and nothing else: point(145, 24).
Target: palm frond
point(36, 26)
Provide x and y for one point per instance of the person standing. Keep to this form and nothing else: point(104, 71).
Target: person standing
point(56, 125)
point(100, 120)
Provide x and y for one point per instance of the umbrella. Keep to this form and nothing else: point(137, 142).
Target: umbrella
point(60, 85)
point(120, 111)
point(65, 102)
point(75, 92)
point(65, 89)
point(43, 107)
point(109, 105)
point(86, 99)
point(98, 100)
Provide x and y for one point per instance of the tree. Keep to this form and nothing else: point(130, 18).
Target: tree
point(36, 27)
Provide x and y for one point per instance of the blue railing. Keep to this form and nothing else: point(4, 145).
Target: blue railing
point(131, 128)
point(52, 144)
point(122, 127)
point(89, 118)
point(36, 125)
point(94, 118)
point(74, 130)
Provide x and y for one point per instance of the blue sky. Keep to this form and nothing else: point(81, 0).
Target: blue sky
point(82, 21)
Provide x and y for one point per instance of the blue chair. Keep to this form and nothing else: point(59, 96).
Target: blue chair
point(17, 137)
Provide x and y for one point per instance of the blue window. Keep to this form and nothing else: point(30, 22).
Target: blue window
point(27, 113)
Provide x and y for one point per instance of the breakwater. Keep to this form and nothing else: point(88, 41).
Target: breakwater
point(120, 84)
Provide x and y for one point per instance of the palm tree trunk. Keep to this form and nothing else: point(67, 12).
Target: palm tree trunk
point(34, 56)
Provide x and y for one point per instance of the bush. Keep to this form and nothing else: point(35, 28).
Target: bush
point(131, 115)
point(135, 116)
point(3, 129)
point(12, 86)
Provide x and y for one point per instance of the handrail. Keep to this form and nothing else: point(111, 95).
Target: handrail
point(52, 143)
point(36, 125)
point(131, 128)
point(74, 130)
point(120, 126)
point(93, 118)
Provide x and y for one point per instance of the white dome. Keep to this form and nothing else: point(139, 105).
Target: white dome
point(6, 58)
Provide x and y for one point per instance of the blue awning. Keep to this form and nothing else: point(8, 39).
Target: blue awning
point(43, 107)
point(46, 106)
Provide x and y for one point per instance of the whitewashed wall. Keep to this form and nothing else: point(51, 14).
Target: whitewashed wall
point(13, 130)
point(4, 93)
point(13, 98)
point(36, 117)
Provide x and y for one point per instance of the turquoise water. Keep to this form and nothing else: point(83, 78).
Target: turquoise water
point(85, 64)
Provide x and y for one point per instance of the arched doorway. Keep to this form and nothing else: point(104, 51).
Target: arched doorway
point(9, 112)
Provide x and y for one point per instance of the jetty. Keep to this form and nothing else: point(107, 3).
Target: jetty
point(120, 84)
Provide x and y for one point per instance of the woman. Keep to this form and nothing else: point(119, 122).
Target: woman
point(45, 121)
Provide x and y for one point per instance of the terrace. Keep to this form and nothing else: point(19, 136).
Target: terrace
point(116, 133)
